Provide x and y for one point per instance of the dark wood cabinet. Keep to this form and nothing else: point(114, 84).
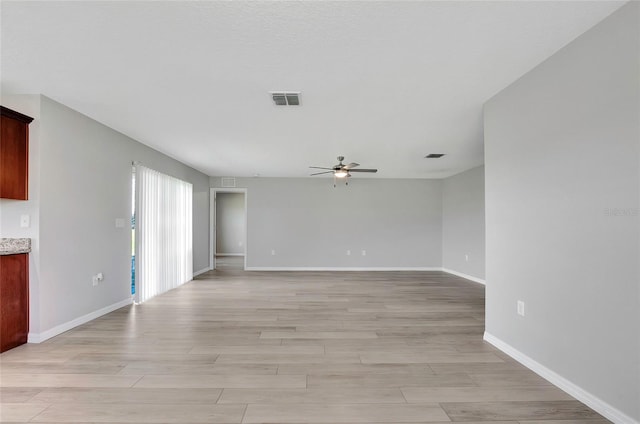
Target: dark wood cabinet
point(14, 154)
point(14, 300)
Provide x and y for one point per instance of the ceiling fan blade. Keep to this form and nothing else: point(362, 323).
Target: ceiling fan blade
point(363, 170)
point(351, 165)
point(320, 167)
point(325, 172)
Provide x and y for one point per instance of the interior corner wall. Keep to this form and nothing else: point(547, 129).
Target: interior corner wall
point(463, 236)
point(83, 179)
point(562, 201)
point(309, 224)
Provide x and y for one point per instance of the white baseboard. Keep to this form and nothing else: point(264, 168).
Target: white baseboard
point(59, 329)
point(388, 269)
point(465, 276)
point(202, 271)
point(303, 268)
point(229, 254)
point(593, 402)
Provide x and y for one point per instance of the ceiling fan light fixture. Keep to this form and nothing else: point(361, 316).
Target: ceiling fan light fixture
point(341, 170)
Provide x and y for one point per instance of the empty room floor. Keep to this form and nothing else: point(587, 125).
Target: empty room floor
point(257, 347)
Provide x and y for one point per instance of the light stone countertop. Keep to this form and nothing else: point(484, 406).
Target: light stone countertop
point(13, 246)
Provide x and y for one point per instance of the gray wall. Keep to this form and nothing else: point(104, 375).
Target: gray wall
point(230, 223)
point(562, 198)
point(311, 224)
point(463, 223)
point(84, 184)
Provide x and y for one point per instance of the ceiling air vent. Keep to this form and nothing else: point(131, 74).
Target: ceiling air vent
point(434, 155)
point(285, 98)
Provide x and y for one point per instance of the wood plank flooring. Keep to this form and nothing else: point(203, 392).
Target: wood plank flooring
point(258, 347)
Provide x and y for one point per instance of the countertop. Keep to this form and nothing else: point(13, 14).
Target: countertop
point(13, 246)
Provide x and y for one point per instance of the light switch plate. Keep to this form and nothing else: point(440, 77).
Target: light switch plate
point(119, 223)
point(25, 221)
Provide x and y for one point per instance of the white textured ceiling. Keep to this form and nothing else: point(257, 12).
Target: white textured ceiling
point(383, 83)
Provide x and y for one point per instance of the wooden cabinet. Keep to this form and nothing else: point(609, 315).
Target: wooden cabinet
point(14, 300)
point(14, 154)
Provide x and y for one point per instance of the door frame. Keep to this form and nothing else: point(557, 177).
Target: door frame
point(212, 222)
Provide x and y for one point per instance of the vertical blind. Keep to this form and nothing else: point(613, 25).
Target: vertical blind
point(164, 249)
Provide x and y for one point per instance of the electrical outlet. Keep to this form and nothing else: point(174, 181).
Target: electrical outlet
point(273, 252)
point(364, 253)
point(119, 223)
point(348, 252)
point(466, 257)
point(520, 308)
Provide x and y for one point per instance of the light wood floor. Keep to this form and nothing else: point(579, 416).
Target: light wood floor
point(238, 347)
point(226, 262)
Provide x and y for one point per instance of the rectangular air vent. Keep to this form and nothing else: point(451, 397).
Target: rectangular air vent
point(285, 98)
point(293, 99)
point(279, 99)
point(434, 155)
point(228, 182)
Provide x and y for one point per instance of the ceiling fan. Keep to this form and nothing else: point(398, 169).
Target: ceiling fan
point(341, 170)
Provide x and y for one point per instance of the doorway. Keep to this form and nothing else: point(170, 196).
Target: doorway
point(228, 228)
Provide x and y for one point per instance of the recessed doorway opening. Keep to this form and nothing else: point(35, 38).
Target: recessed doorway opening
point(228, 228)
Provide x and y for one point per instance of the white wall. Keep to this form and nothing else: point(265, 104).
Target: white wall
point(562, 198)
point(230, 223)
point(311, 224)
point(84, 184)
point(463, 223)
